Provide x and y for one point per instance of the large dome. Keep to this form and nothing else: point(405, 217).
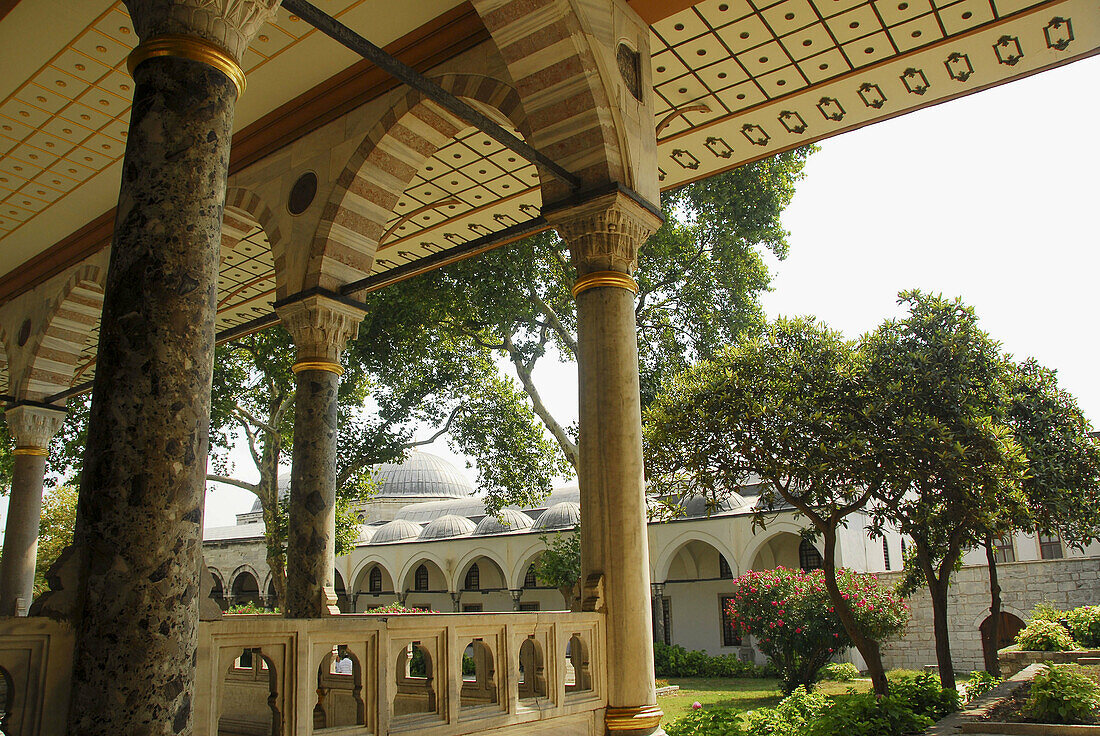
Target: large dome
point(422, 477)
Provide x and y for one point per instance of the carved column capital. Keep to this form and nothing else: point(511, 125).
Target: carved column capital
point(604, 233)
point(229, 24)
point(320, 327)
point(33, 427)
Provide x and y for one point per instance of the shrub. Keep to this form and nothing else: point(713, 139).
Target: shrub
point(923, 694)
point(839, 672)
point(396, 607)
point(1084, 625)
point(790, 718)
point(865, 714)
point(1041, 635)
point(251, 608)
point(1046, 611)
point(708, 722)
point(979, 683)
point(675, 661)
point(789, 613)
point(1061, 694)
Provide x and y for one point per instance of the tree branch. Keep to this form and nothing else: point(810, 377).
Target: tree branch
point(254, 488)
point(568, 447)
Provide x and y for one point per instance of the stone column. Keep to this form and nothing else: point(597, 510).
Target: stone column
point(320, 327)
point(658, 612)
point(516, 596)
point(139, 521)
point(456, 602)
point(603, 235)
point(32, 427)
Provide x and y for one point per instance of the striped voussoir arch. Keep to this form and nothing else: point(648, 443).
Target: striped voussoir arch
point(383, 166)
point(69, 326)
point(5, 370)
point(245, 211)
point(558, 80)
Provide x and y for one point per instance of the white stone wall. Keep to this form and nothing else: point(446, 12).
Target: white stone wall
point(1067, 583)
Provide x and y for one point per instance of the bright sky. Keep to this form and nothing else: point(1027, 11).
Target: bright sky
point(989, 197)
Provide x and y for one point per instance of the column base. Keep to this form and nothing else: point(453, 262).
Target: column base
point(644, 718)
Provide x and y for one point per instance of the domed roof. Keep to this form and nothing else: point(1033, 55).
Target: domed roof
point(564, 515)
point(509, 520)
point(395, 531)
point(424, 511)
point(422, 476)
point(366, 533)
point(447, 526)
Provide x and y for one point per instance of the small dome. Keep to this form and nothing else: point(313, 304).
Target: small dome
point(395, 531)
point(510, 520)
point(564, 515)
point(447, 526)
point(699, 506)
point(426, 511)
point(366, 534)
point(421, 477)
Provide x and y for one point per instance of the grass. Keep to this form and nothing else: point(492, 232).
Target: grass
point(741, 693)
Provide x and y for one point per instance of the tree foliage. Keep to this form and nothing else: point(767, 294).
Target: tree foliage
point(560, 565)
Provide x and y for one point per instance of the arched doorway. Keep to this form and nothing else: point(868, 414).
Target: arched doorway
point(1006, 634)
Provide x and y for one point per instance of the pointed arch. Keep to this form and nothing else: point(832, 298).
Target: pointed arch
point(382, 168)
point(359, 575)
point(670, 552)
point(473, 556)
point(525, 559)
point(405, 580)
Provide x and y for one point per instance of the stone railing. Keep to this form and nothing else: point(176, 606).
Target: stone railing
point(446, 674)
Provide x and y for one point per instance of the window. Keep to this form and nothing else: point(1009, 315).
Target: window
point(1003, 550)
point(374, 580)
point(530, 580)
point(724, 570)
point(473, 578)
point(528, 606)
point(420, 581)
point(1050, 547)
point(885, 553)
point(903, 549)
point(471, 608)
point(729, 633)
point(808, 557)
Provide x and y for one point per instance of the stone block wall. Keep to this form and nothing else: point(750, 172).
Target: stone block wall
point(1066, 583)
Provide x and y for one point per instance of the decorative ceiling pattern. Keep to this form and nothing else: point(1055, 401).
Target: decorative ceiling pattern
point(736, 83)
point(246, 281)
point(68, 122)
point(470, 188)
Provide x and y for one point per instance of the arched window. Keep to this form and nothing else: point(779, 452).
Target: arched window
point(808, 557)
point(374, 580)
point(473, 578)
point(420, 581)
point(724, 570)
point(530, 580)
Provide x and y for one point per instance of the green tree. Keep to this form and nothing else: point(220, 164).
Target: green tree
point(789, 407)
point(55, 531)
point(560, 565)
point(951, 462)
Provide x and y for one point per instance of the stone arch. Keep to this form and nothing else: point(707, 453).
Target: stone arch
point(671, 551)
point(475, 555)
point(406, 577)
point(360, 573)
point(1011, 625)
point(757, 542)
point(244, 209)
point(241, 569)
point(526, 558)
point(56, 348)
point(383, 166)
point(561, 80)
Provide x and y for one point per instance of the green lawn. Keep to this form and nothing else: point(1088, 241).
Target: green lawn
point(744, 694)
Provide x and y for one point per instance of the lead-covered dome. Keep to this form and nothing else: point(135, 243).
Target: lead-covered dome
point(395, 531)
point(422, 477)
point(564, 515)
point(447, 526)
point(509, 520)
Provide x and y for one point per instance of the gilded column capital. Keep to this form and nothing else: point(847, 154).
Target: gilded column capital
point(320, 327)
point(228, 24)
point(33, 427)
point(605, 232)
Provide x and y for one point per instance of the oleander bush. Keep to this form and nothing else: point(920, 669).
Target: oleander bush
point(1084, 625)
point(1063, 694)
point(792, 619)
point(838, 672)
point(1042, 635)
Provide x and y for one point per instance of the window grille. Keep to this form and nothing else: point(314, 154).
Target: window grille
point(729, 633)
point(374, 581)
point(420, 582)
point(808, 557)
point(473, 578)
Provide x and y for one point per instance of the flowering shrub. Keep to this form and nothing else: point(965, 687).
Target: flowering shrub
point(251, 609)
point(795, 625)
point(396, 607)
point(1045, 636)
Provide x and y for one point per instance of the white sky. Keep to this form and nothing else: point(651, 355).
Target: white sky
point(989, 197)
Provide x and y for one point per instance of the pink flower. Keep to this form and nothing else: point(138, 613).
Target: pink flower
point(696, 705)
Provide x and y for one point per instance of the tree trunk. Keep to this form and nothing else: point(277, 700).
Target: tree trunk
point(868, 648)
point(937, 587)
point(992, 664)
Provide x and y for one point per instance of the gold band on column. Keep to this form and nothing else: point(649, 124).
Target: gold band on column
point(188, 47)
point(31, 450)
point(318, 365)
point(632, 719)
point(604, 278)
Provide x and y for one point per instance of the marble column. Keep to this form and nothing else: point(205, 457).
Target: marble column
point(32, 427)
point(456, 602)
point(320, 327)
point(517, 596)
point(604, 235)
point(139, 519)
